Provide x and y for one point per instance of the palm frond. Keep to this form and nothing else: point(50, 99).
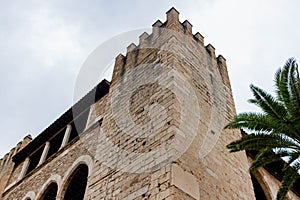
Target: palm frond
point(263, 123)
point(252, 121)
point(294, 88)
point(289, 178)
point(268, 103)
point(263, 158)
point(261, 141)
point(275, 131)
point(286, 83)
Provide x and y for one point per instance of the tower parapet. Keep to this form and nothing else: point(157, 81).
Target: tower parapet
point(173, 20)
point(155, 132)
point(160, 32)
point(187, 26)
point(7, 165)
point(199, 38)
point(7, 159)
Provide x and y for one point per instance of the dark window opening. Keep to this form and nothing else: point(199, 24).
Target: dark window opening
point(258, 191)
point(79, 124)
point(77, 184)
point(74, 133)
point(51, 192)
point(34, 159)
point(55, 143)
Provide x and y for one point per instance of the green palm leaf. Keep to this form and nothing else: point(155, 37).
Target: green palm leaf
point(275, 131)
point(289, 178)
point(264, 157)
point(268, 103)
point(261, 141)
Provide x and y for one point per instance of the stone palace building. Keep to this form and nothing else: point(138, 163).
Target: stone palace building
point(155, 131)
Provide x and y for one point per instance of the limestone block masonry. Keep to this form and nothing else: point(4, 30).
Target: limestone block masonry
point(161, 134)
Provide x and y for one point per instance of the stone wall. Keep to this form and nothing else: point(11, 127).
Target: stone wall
point(7, 165)
point(174, 84)
point(162, 133)
point(57, 169)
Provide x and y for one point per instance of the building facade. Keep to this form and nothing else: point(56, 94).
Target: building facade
point(154, 132)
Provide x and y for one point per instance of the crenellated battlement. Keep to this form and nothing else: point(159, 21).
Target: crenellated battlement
point(143, 39)
point(7, 159)
point(7, 165)
point(211, 50)
point(155, 132)
point(162, 32)
point(172, 23)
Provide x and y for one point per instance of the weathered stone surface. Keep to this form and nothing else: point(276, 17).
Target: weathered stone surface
point(7, 166)
point(185, 181)
point(162, 133)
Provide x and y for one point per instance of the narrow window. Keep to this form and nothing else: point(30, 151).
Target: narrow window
point(55, 143)
point(34, 159)
point(79, 124)
point(77, 183)
point(50, 193)
point(258, 191)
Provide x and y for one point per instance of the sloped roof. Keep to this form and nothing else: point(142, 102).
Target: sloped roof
point(91, 97)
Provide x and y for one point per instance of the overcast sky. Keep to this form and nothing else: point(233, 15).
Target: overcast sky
point(44, 43)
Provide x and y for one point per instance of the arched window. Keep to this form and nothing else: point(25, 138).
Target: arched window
point(51, 192)
point(77, 183)
point(258, 191)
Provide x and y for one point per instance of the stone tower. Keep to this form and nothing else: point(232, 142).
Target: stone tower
point(175, 85)
point(154, 132)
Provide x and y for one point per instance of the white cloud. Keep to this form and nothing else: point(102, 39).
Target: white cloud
point(51, 40)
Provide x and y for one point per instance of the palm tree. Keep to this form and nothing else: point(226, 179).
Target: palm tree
point(275, 132)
